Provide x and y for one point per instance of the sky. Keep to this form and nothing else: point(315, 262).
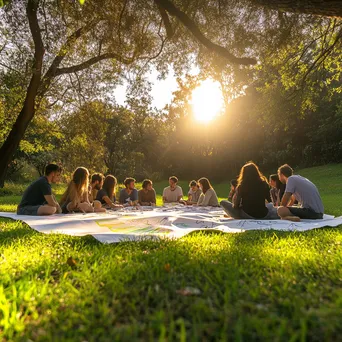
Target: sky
point(161, 89)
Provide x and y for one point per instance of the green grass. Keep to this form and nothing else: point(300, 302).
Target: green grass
point(264, 286)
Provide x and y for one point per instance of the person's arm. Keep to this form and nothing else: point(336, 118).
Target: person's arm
point(134, 197)
point(200, 200)
point(190, 200)
point(276, 202)
point(292, 200)
point(206, 198)
point(110, 203)
point(289, 191)
point(86, 197)
point(231, 195)
point(267, 193)
point(286, 198)
point(59, 209)
point(237, 199)
point(49, 197)
point(51, 201)
point(154, 198)
point(180, 194)
point(273, 196)
point(164, 197)
point(91, 197)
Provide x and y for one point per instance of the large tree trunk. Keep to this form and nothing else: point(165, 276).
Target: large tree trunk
point(11, 144)
point(17, 132)
point(328, 8)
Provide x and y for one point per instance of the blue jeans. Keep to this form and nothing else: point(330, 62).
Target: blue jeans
point(240, 214)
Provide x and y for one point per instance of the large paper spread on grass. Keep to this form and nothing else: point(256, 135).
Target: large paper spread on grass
point(173, 222)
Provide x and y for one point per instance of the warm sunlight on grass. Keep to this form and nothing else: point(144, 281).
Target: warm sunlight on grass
point(207, 100)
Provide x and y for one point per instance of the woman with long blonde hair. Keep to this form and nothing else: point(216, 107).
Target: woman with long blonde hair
point(75, 198)
point(252, 193)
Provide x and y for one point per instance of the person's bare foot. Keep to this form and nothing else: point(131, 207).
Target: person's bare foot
point(291, 218)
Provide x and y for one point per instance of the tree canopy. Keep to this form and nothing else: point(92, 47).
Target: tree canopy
point(61, 60)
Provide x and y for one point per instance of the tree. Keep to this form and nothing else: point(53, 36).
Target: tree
point(322, 7)
point(68, 39)
point(84, 133)
point(56, 42)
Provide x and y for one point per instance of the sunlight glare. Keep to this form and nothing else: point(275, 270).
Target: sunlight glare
point(207, 100)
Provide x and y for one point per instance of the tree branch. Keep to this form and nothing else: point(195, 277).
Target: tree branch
point(31, 11)
point(120, 20)
point(9, 68)
point(50, 105)
point(192, 27)
point(166, 21)
point(65, 48)
point(321, 58)
point(328, 8)
point(92, 61)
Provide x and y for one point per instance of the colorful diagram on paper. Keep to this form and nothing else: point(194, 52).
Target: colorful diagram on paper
point(133, 227)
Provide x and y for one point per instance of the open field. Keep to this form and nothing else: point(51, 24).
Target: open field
point(268, 286)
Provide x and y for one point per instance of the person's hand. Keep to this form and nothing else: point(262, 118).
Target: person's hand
point(80, 209)
point(59, 209)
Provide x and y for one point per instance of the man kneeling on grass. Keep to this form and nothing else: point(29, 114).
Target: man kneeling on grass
point(38, 198)
point(304, 191)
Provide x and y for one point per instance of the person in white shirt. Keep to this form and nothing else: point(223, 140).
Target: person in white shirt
point(208, 196)
point(172, 193)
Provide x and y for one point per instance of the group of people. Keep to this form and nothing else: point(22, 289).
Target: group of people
point(285, 196)
point(251, 195)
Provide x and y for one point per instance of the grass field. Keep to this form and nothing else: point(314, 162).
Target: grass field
point(264, 286)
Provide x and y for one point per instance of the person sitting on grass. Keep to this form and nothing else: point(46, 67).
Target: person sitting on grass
point(208, 196)
point(95, 185)
point(304, 191)
point(147, 195)
point(194, 193)
point(172, 193)
point(38, 198)
point(233, 185)
point(129, 195)
point(106, 195)
point(250, 197)
point(75, 197)
point(277, 190)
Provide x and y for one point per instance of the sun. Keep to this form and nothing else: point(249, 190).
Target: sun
point(207, 100)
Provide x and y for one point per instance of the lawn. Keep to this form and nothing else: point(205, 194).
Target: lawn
point(265, 286)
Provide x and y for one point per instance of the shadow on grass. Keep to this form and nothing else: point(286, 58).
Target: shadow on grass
point(257, 285)
point(12, 231)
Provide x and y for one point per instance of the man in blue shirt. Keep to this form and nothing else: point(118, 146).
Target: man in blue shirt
point(129, 195)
